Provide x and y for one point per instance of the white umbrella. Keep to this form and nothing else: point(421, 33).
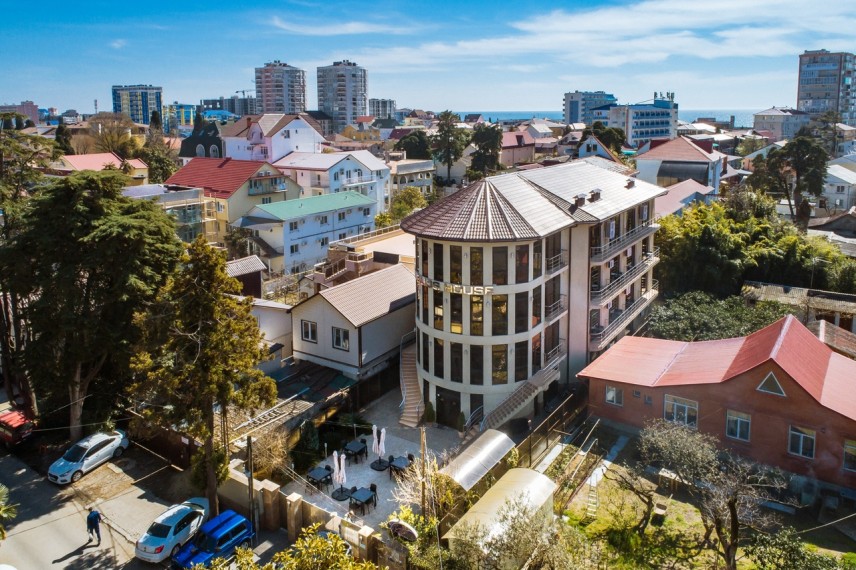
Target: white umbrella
point(342, 477)
point(375, 446)
point(335, 467)
point(382, 444)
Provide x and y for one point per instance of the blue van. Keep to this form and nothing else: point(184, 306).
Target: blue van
point(218, 538)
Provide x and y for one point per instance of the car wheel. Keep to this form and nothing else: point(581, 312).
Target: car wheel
point(119, 451)
point(245, 544)
point(174, 550)
point(76, 477)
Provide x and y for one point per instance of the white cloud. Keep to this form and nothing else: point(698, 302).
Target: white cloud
point(328, 29)
point(118, 44)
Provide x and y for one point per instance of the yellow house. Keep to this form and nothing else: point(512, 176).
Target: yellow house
point(236, 186)
point(362, 130)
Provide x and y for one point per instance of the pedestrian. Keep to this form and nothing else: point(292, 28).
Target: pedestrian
point(93, 524)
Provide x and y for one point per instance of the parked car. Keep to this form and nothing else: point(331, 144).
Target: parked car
point(15, 428)
point(86, 455)
point(218, 538)
point(173, 528)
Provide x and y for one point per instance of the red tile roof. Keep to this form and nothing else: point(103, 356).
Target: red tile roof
point(365, 119)
point(219, 177)
point(827, 376)
point(680, 149)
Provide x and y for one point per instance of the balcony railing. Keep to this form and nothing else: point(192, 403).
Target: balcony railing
point(555, 354)
point(557, 308)
point(600, 337)
point(600, 296)
point(355, 180)
point(557, 262)
point(602, 253)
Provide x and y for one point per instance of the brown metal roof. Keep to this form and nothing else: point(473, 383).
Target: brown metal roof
point(374, 295)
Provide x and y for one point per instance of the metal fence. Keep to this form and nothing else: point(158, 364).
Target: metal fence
point(569, 414)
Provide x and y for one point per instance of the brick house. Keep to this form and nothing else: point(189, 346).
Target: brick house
point(779, 396)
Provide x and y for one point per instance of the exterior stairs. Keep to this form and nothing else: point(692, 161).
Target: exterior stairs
point(592, 504)
point(411, 405)
point(518, 399)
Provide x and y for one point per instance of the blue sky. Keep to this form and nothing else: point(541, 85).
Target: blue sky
point(465, 55)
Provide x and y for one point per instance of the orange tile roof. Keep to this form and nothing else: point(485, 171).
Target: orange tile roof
point(827, 376)
point(679, 149)
point(97, 161)
point(219, 177)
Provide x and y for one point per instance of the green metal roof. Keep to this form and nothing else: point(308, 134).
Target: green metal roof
point(290, 209)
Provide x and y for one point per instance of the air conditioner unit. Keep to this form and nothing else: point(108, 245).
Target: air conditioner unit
point(349, 211)
point(304, 242)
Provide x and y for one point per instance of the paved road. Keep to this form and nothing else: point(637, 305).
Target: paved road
point(50, 529)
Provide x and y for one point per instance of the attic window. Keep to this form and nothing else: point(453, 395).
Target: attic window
point(771, 386)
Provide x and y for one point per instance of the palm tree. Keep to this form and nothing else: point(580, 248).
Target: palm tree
point(7, 511)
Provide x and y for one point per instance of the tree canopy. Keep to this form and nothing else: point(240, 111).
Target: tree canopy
point(450, 141)
point(112, 133)
point(488, 142)
point(415, 144)
point(201, 350)
point(7, 511)
point(86, 257)
point(613, 137)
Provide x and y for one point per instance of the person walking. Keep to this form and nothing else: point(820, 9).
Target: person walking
point(93, 524)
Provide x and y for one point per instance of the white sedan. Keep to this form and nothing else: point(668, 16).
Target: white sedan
point(86, 455)
point(171, 529)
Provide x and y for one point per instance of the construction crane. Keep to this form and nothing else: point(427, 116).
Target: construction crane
point(244, 92)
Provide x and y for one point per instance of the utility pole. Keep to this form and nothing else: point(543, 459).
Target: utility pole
point(250, 482)
point(424, 474)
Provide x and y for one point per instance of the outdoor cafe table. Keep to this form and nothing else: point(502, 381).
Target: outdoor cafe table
point(361, 497)
point(355, 449)
point(398, 465)
point(319, 476)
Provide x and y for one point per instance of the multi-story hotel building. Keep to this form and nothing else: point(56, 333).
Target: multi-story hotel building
point(137, 101)
point(521, 280)
point(342, 92)
point(826, 84)
point(281, 88)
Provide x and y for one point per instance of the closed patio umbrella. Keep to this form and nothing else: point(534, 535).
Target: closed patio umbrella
point(380, 463)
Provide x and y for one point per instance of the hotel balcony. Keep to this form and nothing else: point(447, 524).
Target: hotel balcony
point(556, 308)
point(601, 296)
point(556, 262)
point(600, 337)
point(604, 252)
point(357, 180)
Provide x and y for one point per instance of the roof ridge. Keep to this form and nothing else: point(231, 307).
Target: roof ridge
point(684, 345)
point(507, 203)
point(781, 337)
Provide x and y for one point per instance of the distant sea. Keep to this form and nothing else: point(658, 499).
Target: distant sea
point(742, 117)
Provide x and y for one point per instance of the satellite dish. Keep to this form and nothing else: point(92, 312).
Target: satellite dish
point(401, 529)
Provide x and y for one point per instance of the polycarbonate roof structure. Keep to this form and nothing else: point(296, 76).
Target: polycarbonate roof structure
point(478, 458)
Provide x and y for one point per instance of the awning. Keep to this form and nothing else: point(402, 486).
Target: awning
point(478, 458)
point(684, 171)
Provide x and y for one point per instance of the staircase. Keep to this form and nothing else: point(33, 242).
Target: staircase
point(519, 398)
point(592, 505)
point(411, 404)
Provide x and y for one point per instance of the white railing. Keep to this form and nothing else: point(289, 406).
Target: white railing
point(601, 337)
point(556, 262)
point(599, 296)
point(601, 253)
point(354, 180)
point(405, 340)
point(554, 309)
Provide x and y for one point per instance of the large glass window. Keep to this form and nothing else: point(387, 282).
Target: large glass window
point(457, 372)
point(425, 358)
point(476, 266)
point(681, 411)
point(438, 358)
point(341, 338)
point(521, 361)
point(455, 264)
point(536, 306)
point(521, 312)
point(536, 260)
point(521, 264)
point(614, 396)
point(499, 364)
point(438, 310)
point(500, 265)
point(424, 253)
point(801, 442)
point(456, 308)
point(477, 364)
point(425, 301)
point(738, 425)
point(850, 455)
point(476, 315)
point(536, 353)
point(499, 314)
point(438, 261)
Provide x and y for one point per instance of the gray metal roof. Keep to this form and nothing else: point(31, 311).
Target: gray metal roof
point(244, 266)
point(374, 295)
point(478, 458)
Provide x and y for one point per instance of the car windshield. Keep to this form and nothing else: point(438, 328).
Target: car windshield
point(205, 542)
point(75, 453)
point(159, 530)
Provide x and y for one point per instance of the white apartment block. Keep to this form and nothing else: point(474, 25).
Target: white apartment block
point(643, 122)
point(578, 106)
point(382, 108)
point(281, 88)
point(782, 122)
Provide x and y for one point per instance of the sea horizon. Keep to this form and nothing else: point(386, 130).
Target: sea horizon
point(742, 117)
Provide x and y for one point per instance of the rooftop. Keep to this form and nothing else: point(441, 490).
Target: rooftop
point(98, 161)
point(270, 123)
point(219, 177)
point(371, 296)
point(679, 149)
point(290, 209)
point(679, 195)
point(245, 266)
point(327, 160)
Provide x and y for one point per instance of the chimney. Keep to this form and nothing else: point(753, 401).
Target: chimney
point(249, 122)
point(594, 195)
point(580, 200)
point(630, 183)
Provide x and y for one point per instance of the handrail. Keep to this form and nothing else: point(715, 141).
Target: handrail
point(651, 259)
point(599, 253)
point(476, 417)
point(556, 262)
point(621, 321)
point(404, 340)
point(555, 308)
point(338, 243)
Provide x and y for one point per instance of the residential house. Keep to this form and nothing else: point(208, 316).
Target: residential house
point(293, 235)
point(839, 229)
point(249, 271)
point(362, 129)
point(205, 142)
point(404, 172)
point(681, 195)
point(538, 130)
point(271, 136)
point(813, 304)
point(681, 159)
point(70, 163)
point(523, 278)
point(275, 324)
point(325, 122)
point(782, 122)
point(331, 172)
point(836, 338)
point(460, 166)
point(191, 210)
point(474, 119)
point(839, 190)
point(762, 152)
point(385, 127)
point(845, 139)
point(592, 146)
point(517, 147)
point(569, 144)
point(235, 186)
point(779, 396)
point(357, 327)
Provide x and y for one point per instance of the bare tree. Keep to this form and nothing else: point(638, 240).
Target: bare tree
point(441, 492)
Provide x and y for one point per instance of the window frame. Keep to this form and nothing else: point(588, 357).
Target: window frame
point(851, 445)
point(802, 438)
point(738, 421)
point(311, 329)
point(344, 339)
point(683, 402)
point(616, 397)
